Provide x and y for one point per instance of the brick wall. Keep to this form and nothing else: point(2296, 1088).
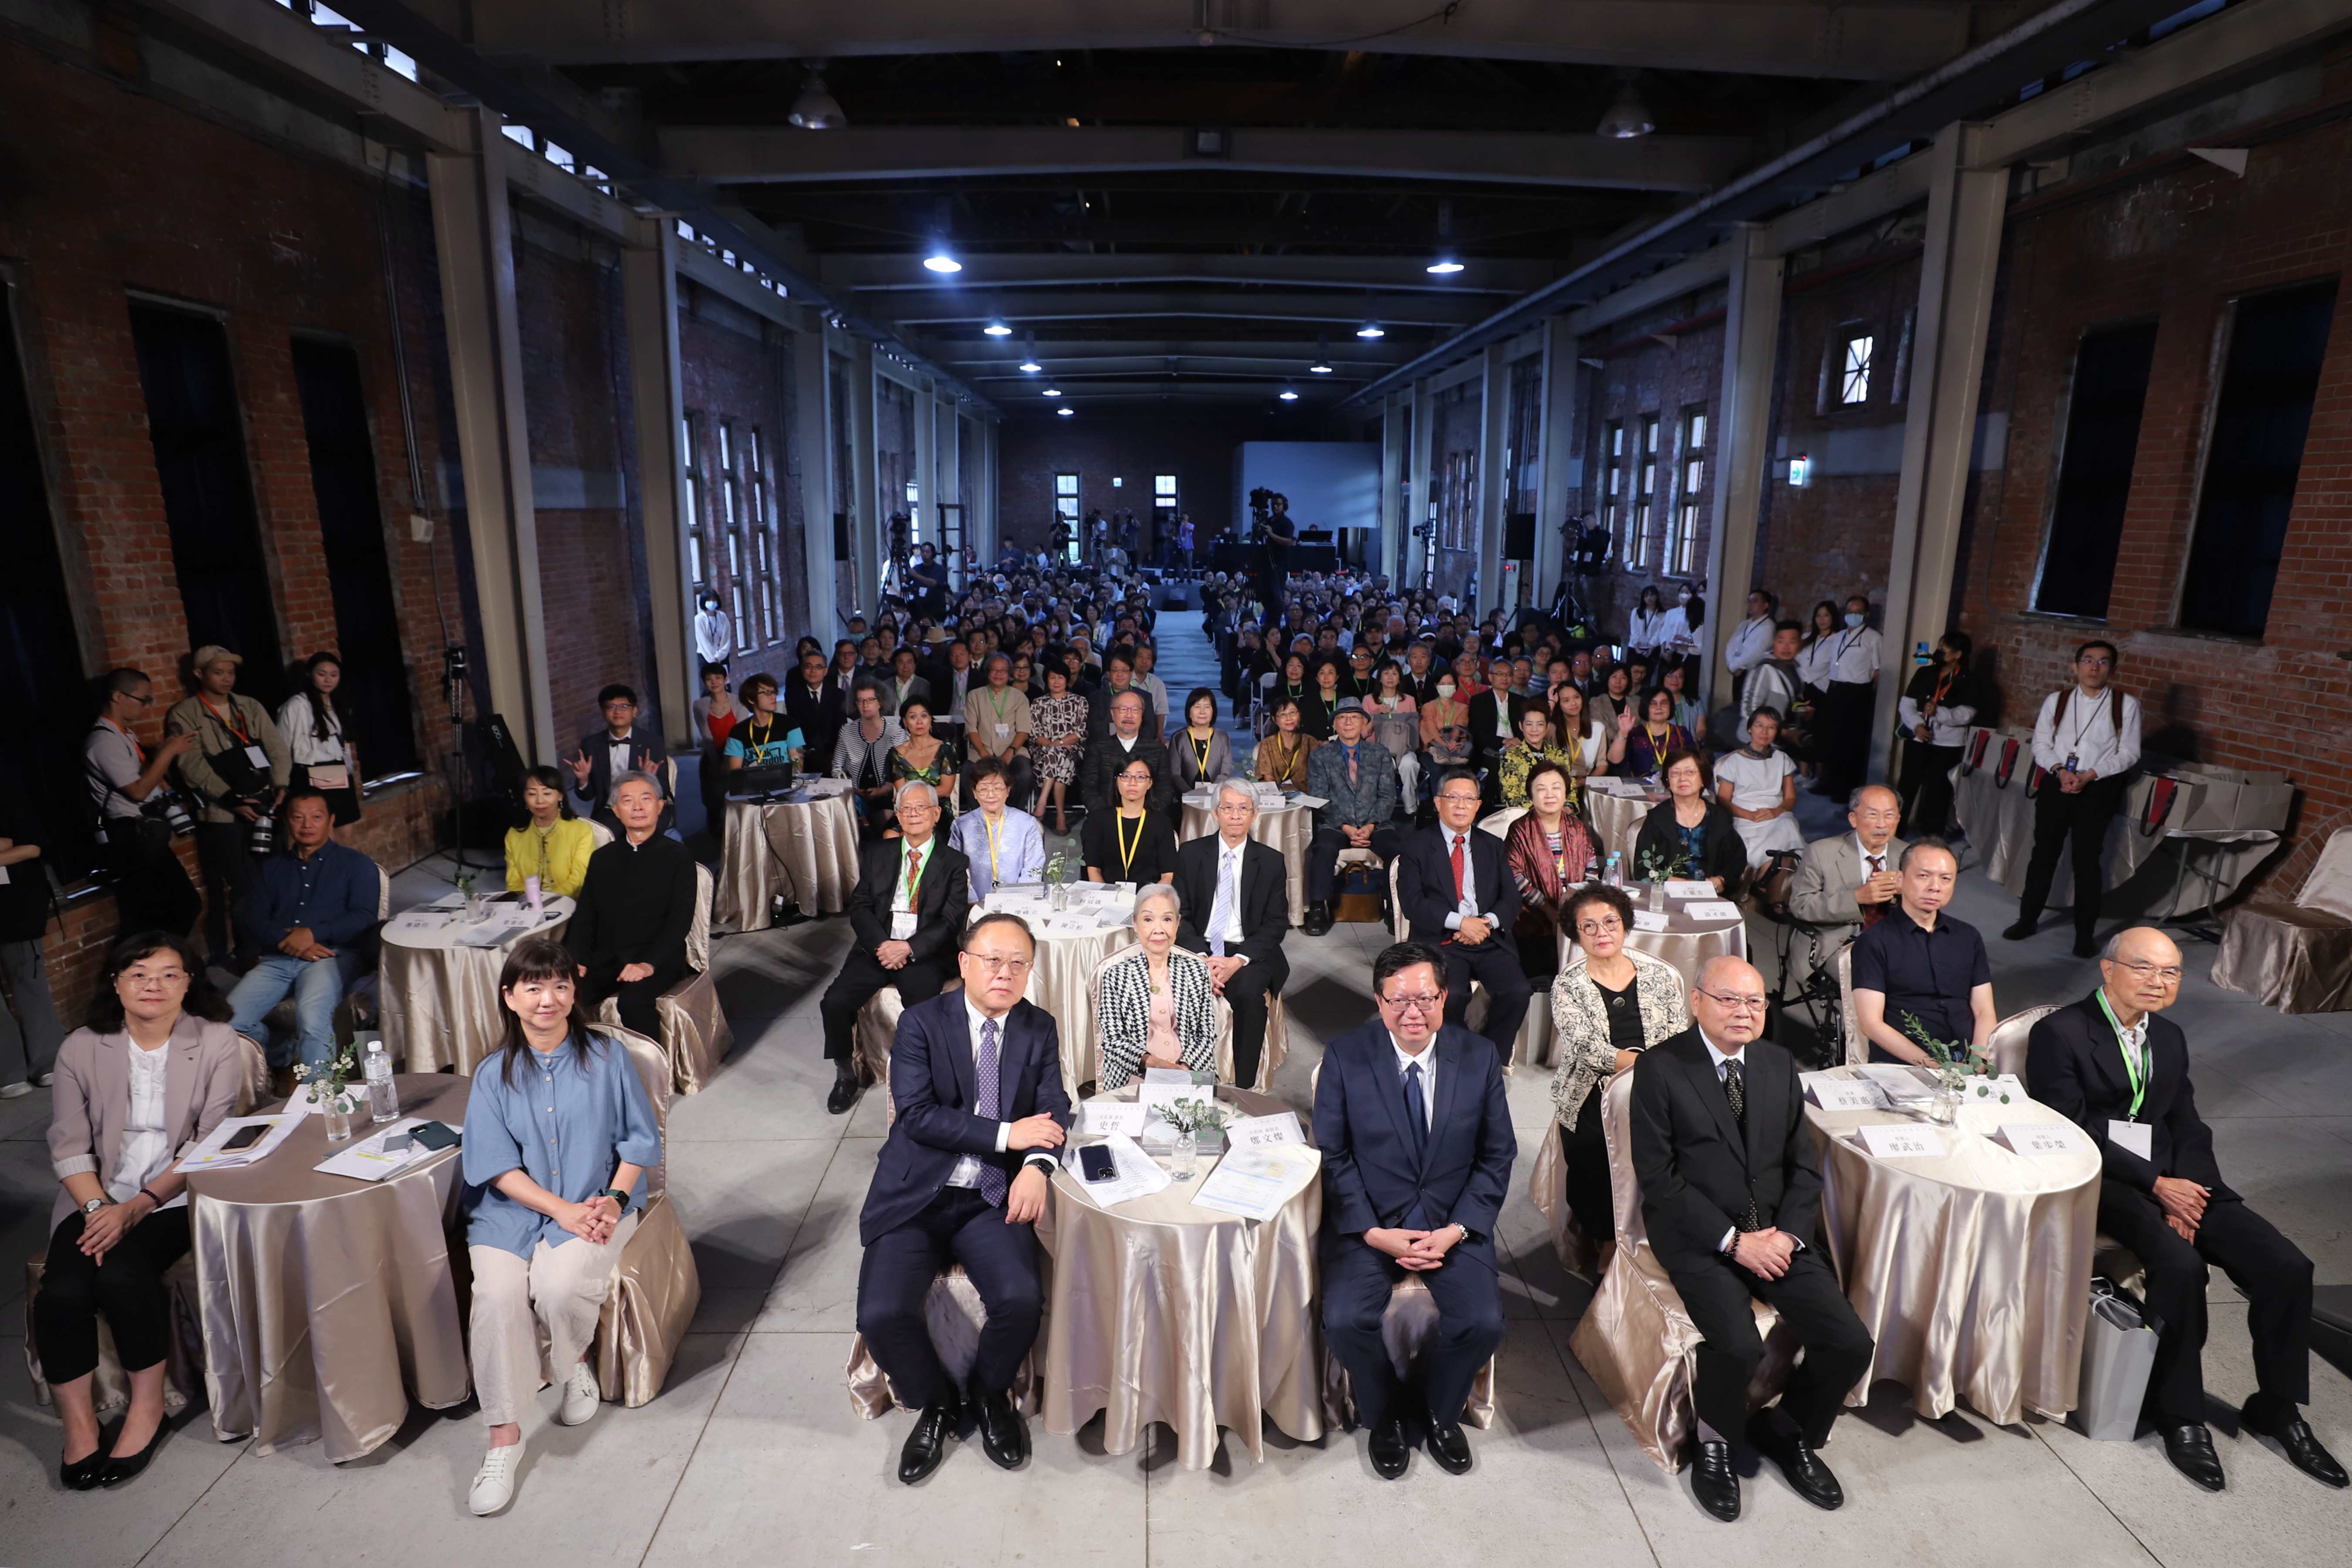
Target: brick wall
point(737, 366)
point(1197, 448)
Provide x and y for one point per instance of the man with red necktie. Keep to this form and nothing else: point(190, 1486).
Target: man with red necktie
point(1457, 893)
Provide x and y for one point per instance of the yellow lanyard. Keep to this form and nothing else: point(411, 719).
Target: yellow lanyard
point(1658, 746)
point(1201, 749)
point(1126, 849)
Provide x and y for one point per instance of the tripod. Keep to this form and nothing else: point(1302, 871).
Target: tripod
point(453, 683)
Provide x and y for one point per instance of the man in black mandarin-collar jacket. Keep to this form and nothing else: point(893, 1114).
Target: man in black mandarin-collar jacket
point(917, 963)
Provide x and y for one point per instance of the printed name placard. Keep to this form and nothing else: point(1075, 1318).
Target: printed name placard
point(1831, 1094)
point(1900, 1142)
point(2040, 1139)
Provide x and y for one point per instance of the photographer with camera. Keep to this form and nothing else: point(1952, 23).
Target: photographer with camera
point(138, 817)
point(239, 770)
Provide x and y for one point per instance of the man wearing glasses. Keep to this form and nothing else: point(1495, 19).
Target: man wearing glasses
point(1454, 880)
point(912, 894)
point(2121, 1073)
point(976, 1076)
point(2085, 744)
point(1730, 1191)
point(1417, 1150)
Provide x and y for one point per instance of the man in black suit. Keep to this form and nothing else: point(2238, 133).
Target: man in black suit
point(1420, 679)
point(1118, 676)
point(2121, 1073)
point(1495, 720)
point(812, 706)
point(1235, 895)
point(1417, 1150)
point(906, 911)
point(1730, 1191)
point(1126, 739)
point(619, 748)
point(976, 1076)
point(1453, 880)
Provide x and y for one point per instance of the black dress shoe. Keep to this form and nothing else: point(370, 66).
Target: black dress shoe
point(1318, 921)
point(85, 1473)
point(1003, 1434)
point(1449, 1447)
point(2018, 932)
point(845, 1094)
point(1390, 1452)
point(2086, 947)
point(1811, 1478)
point(2304, 1450)
point(119, 1470)
point(2189, 1447)
point(927, 1445)
point(1712, 1480)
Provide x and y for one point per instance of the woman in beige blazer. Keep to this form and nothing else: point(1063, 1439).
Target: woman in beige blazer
point(152, 1074)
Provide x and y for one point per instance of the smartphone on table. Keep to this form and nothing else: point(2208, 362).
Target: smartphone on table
point(1096, 1164)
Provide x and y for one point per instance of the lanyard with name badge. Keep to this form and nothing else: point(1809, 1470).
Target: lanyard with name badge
point(2135, 1067)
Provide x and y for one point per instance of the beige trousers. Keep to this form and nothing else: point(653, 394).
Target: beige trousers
point(533, 1318)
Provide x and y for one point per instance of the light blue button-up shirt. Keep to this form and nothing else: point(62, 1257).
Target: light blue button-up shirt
point(1020, 849)
point(564, 1123)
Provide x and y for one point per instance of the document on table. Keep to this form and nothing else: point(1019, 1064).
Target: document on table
point(1886, 1141)
point(2004, 1090)
point(1101, 1118)
point(824, 789)
point(2042, 1139)
point(1902, 1084)
point(423, 920)
point(209, 1156)
point(369, 1160)
point(1832, 1093)
point(1137, 1175)
point(1255, 1183)
point(1265, 1132)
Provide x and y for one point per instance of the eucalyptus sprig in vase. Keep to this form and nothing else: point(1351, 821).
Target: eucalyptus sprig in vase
point(1192, 1119)
point(1956, 1062)
point(329, 1085)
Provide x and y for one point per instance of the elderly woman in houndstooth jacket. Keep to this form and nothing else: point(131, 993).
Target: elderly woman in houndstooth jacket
point(1155, 1006)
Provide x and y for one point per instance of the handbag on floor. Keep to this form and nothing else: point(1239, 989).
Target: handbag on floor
point(2118, 1354)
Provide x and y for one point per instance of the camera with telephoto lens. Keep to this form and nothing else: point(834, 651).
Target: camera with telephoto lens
point(262, 839)
point(164, 807)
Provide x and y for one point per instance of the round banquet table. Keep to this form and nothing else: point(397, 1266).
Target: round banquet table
point(1286, 829)
point(1686, 943)
point(328, 1302)
point(804, 851)
point(1972, 1271)
point(1159, 1310)
point(1617, 821)
point(440, 1001)
point(1063, 981)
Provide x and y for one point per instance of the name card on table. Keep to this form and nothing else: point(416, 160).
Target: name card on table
point(1102, 1117)
point(2004, 1090)
point(2042, 1139)
point(1710, 909)
point(1679, 887)
point(1884, 1142)
point(1831, 1094)
point(1265, 1132)
point(1643, 920)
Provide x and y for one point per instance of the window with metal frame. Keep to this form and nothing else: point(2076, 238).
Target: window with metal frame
point(690, 501)
point(1612, 474)
point(1682, 533)
point(763, 529)
point(1645, 490)
point(1066, 510)
point(1853, 380)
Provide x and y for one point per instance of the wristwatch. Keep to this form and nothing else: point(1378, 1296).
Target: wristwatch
point(94, 1205)
point(617, 1196)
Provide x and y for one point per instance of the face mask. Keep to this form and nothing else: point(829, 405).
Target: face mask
point(1852, 618)
point(1446, 688)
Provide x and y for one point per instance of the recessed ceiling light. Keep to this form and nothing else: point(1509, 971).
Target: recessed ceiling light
point(941, 261)
point(997, 329)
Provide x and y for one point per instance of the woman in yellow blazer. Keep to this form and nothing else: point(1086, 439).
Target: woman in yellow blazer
point(554, 845)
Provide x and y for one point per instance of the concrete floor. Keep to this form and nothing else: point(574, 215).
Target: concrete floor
point(752, 1453)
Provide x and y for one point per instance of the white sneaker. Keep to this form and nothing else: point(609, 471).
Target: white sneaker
point(581, 1397)
point(15, 1091)
point(494, 1483)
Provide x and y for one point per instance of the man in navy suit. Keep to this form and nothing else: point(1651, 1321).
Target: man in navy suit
point(1417, 1150)
point(976, 1076)
point(1453, 880)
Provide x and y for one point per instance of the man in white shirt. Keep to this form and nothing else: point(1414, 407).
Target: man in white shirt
point(1235, 897)
point(1751, 640)
point(1851, 672)
point(2085, 744)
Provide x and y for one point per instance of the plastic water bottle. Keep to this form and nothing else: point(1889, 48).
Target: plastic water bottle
point(383, 1094)
point(1614, 877)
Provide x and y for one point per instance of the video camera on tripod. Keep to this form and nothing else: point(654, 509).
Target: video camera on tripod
point(1261, 505)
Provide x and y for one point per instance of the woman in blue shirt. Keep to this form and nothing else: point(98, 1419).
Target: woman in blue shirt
point(559, 1135)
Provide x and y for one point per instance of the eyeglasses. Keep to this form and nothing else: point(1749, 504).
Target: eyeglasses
point(156, 977)
point(2170, 977)
point(1735, 1004)
point(1609, 928)
point(1458, 797)
point(1421, 1003)
point(995, 964)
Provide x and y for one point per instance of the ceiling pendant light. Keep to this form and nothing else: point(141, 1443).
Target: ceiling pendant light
point(997, 329)
point(941, 261)
point(1322, 365)
point(816, 108)
point(1447, 262)
point(1371, 330)
point(1052, 392)
point(1029, 361)
point(1628, 117)
point(1064, 413)
point(1289, 394)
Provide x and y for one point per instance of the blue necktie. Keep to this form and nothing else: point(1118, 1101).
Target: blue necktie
point(1221, 908)
point(985, 1105)
point(1416, 1110)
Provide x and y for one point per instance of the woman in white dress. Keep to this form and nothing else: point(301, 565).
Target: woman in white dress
point(1647, 629)
point(1758, 784)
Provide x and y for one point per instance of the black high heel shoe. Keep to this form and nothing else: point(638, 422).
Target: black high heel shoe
point(119, 1470)
point(85, 1473)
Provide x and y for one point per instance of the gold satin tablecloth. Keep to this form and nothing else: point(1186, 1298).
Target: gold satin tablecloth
point(1159, 1310)
point(1685, 943)
point(1972, 1271)
point(804, 851)
point(1616, 823)
point(330, 1304)
point(1288, 831)
point(439, 1002)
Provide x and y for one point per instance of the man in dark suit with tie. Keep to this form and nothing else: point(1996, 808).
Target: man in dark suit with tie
point(1494, 719)
point(1453, 880)
point(1730, 1191)
point(1235, 896)
point(907, 912)
point(1417, 1150)
point(2121, 1073)
point(813, 706)
point(976, 1076)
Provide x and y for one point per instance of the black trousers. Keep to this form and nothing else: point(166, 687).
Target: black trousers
point(229, 869)
point(151, 890)
point(861, 976)
point(1246, 992)
point(1845, 723)
point(1495, 964)
point(1323, 858)
point(1925, 787)
point(1585, 1149)
point(1837, 1347)
point(2270, 1270)
point(2082, 817)
point(637, 997)
point(1278, 566)
point(128, 1288)
point(957, 1226)
point(1357, 1280)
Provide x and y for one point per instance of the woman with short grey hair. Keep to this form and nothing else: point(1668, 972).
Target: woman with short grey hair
point(1154, 1004)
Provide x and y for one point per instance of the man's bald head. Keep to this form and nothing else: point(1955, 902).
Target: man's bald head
point(2140, 969)
point(1728, 1002)
point(1873, 812)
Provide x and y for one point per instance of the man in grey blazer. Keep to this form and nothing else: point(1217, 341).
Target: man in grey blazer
point(1846, 882)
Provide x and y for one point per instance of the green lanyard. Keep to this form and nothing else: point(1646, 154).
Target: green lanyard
point(2135, 1067)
